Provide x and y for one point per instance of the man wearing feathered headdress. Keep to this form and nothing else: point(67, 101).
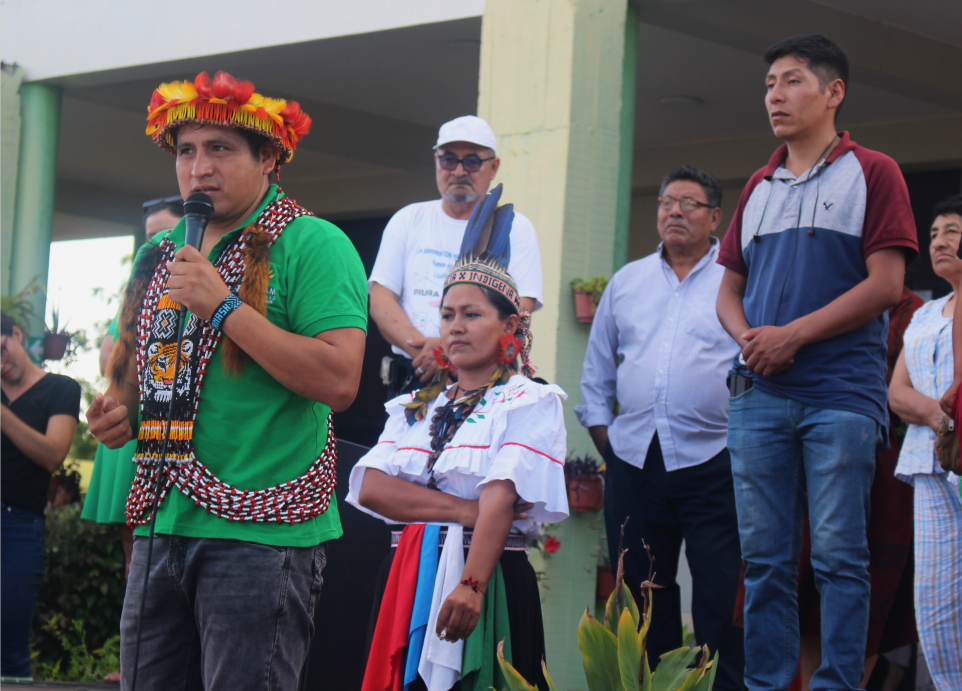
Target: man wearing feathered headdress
point(420, 245)
point(270, 347)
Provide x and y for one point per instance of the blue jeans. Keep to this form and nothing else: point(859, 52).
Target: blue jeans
point(220, 614)
point(22, 556)
point(780, 447)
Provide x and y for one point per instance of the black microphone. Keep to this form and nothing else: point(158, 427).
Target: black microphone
point(198, 208)
point(197, 212)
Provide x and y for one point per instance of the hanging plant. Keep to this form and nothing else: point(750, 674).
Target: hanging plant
point(587, 296)
point(586, 489)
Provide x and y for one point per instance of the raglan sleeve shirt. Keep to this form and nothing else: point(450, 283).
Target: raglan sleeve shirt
point(730, 253)
point(889, 221)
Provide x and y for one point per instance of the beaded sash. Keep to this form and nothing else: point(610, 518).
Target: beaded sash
point(294, 501)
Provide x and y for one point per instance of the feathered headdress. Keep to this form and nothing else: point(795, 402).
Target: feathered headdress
point(225, 101)
point(484, 260)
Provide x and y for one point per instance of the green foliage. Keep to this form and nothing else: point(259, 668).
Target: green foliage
point(84, 444)
point(19, 306)
point(83, 581)
point(615, 655)
point(81, 663)
point(593, 287)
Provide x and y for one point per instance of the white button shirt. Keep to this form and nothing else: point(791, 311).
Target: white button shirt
point(658, 349)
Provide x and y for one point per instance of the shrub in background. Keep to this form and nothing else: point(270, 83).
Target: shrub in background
point(83, 582)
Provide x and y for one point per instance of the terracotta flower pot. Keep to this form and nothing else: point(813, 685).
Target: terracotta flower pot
point(604, 583)
point(584, 308)
point(55, 345)
point(586, 493)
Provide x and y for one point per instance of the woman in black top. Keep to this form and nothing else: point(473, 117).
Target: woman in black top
point(38, 417)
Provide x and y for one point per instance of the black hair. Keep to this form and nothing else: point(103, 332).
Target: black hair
point(952, 205)
point(176, 208)
point(6, 324)
point(824, 57)
point(713, 190)
point(254, 141)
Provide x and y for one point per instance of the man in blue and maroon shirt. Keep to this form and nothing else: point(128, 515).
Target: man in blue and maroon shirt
point(815, 256)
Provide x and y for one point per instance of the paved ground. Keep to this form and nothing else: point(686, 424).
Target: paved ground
point(60, 686)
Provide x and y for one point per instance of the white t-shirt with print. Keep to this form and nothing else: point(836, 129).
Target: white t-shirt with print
point(418, 250)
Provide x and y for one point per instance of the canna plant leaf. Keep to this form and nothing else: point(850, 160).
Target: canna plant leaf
point(672, 669)
point(708, 680)
point(515, 681)
point(600, 649)
point(547, 677)
point(629, 652)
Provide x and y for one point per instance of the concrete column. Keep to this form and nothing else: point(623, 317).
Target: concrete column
point(551, 86)
point(36, 178)
point(10, 78)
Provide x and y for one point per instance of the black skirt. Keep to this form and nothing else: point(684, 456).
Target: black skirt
point(524, 616)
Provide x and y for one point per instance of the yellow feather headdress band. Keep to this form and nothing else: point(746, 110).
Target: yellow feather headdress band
point(225, 101)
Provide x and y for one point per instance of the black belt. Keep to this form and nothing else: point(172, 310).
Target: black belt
point(515, 541)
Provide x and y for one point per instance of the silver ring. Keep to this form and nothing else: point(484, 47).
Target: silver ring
point(419, 370)
point(444, 634)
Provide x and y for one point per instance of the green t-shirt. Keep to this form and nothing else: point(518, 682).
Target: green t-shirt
point(251, 431)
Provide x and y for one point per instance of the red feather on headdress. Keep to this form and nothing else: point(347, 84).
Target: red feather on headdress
point(296, 119)
point(156, 101)
point(202, 84)
point(243, 91)
point(223, 86)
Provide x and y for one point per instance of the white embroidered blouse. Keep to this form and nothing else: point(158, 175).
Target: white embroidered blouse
point(515, 433)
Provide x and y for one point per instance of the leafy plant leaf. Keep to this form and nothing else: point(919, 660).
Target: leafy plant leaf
point(600, 650)
point(672, 669)
point(629, 652)
point(515, 681)
point(708, 680)
point(547, 677)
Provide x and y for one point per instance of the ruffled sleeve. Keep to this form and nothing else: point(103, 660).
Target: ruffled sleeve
point(531, 453)
point(383, 456)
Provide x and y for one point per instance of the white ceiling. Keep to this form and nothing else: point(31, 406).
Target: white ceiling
point(378, 98)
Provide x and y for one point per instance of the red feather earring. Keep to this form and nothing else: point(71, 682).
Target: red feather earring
point(508, 348)
point(441, 358)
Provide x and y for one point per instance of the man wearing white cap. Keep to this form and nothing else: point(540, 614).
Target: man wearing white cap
point(421, 243)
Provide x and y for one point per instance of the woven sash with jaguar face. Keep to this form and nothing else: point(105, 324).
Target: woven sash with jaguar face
point(295, 501)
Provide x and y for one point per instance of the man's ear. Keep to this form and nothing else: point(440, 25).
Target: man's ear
point(17, 334)
point(495, 164)
point(268, 158)
point(716, 218)
point(836, 91)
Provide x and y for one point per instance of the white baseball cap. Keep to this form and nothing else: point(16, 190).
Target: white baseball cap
point(467, 128)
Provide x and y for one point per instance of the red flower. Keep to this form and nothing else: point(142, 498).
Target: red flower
point(551, 544)
point(509, 347)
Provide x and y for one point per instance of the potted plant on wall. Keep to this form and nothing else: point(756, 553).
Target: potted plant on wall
point(55, 340)
point(19, 306)
point(587, 296)
point(586, 489)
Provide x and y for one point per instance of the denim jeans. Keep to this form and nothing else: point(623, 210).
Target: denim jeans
point(22, 555)
point(780, 447)
point(220, 614)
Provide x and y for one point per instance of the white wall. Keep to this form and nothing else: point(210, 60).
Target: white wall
point(96, 35)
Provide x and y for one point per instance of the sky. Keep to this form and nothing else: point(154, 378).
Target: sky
point(77, 269)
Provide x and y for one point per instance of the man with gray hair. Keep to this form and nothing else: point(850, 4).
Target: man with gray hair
point(421, 243)
point(657, 349)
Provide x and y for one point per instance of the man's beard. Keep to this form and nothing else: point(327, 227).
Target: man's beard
point(461, 195)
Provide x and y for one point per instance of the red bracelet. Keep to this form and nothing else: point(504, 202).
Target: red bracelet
point(473, 584)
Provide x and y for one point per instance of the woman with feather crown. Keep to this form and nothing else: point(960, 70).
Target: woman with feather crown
point(472, 468)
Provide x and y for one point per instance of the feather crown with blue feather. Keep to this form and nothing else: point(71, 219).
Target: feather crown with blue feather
point(486, 250)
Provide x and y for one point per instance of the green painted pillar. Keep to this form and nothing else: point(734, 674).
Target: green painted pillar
point(551, 85)
point(36, 181)
point(11, 77)
point(626, 144)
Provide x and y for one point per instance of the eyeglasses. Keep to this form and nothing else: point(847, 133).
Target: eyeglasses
point(471, 163)
point(687, 203)
point(175, 199)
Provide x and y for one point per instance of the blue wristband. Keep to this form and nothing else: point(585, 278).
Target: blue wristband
point(230, 303)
